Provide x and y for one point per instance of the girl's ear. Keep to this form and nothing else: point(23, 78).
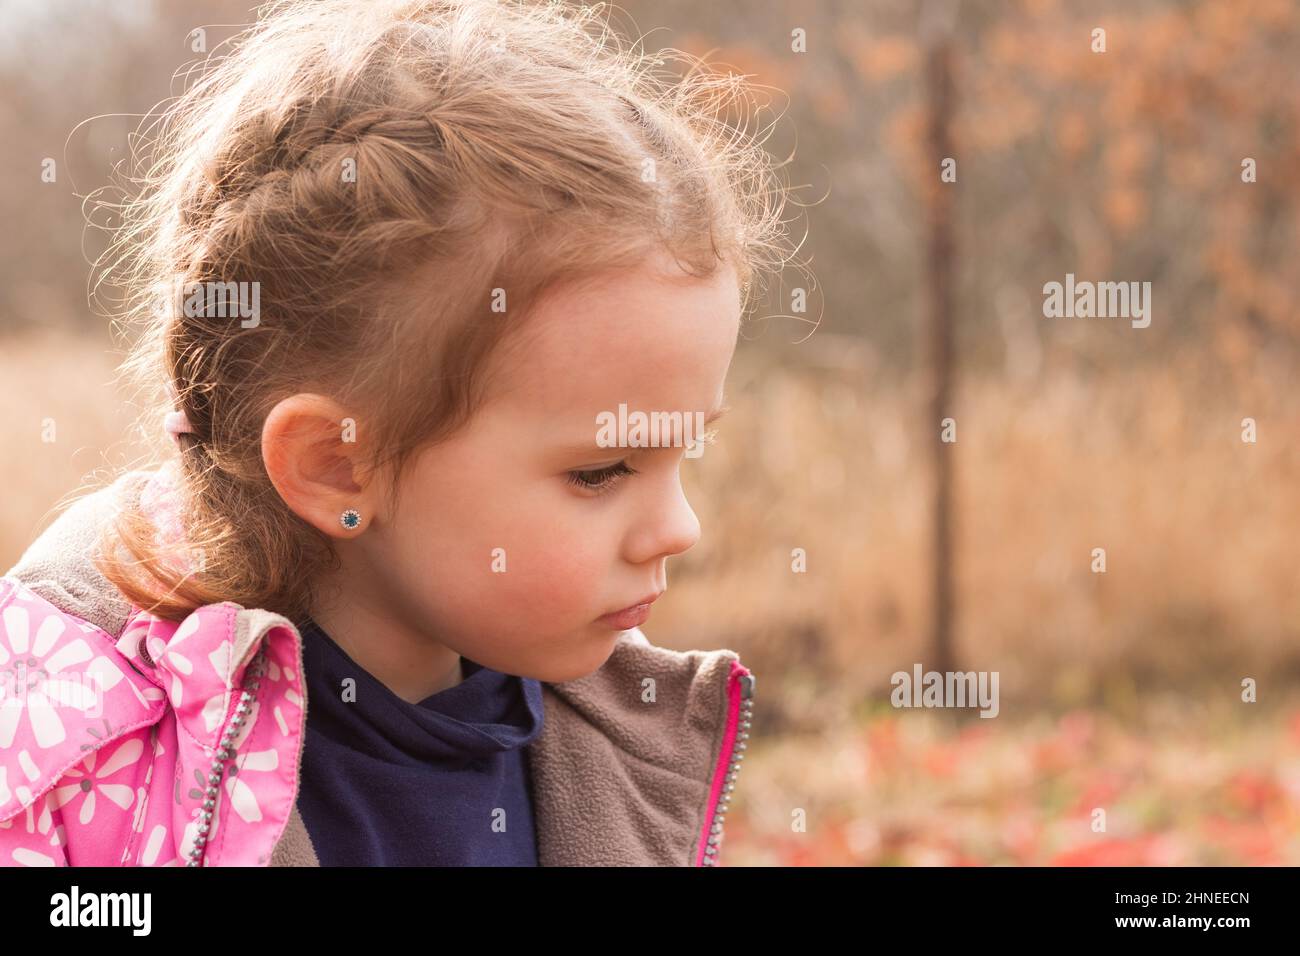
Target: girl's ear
point(312, 459)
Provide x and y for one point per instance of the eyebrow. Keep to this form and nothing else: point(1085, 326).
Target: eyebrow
point(578, 448)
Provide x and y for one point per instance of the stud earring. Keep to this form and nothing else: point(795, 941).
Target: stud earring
point(351, 519)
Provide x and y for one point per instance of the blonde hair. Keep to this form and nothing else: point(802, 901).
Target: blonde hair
point(378, 168)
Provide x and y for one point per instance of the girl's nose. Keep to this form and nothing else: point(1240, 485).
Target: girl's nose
point(669, 527)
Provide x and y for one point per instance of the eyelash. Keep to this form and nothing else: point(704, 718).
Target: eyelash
point(608, 477)
point(611, 475)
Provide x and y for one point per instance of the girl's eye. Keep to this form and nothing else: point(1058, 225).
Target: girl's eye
point(600, 479)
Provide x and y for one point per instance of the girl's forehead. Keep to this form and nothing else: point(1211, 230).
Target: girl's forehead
point(673, 345)
point(635, 321)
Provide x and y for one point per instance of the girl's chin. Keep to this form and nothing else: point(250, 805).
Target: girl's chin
point(581, 663)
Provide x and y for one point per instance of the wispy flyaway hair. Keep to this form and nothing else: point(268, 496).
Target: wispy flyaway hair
point(378, 170)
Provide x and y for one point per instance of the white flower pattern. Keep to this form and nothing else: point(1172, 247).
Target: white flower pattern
point(160, 719)
point(35, 681)
point(85, 779)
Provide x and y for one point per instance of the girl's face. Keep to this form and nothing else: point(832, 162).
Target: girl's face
point(513, 538)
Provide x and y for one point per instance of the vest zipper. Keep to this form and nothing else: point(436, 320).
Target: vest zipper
point(740, 705)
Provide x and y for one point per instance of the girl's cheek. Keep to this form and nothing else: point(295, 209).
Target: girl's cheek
point(561, 576)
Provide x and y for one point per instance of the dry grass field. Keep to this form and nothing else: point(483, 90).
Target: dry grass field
point(1119, 691)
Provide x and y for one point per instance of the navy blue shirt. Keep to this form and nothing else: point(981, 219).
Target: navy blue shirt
point(440, 783)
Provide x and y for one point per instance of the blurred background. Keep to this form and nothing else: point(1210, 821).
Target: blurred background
point(1119, 690)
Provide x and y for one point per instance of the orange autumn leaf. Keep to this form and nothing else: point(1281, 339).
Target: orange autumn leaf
point(1250, 842)
point(1253, 792)
point(877, 59)
point(940, 760)
point(1072, 134)
point(1125, 208)
point(1099, 793)
point(1110, 851)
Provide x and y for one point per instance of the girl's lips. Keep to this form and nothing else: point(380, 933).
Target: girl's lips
point(629, 617)
point(626, 619)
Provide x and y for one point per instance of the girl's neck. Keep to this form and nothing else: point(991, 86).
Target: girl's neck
point(409, 663)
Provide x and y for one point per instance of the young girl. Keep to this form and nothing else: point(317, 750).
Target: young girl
point(383, 607)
